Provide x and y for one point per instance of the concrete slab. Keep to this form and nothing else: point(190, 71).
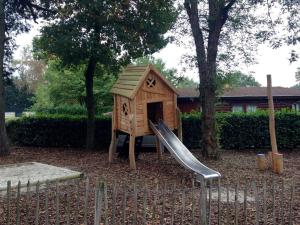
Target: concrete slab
point(34, 172)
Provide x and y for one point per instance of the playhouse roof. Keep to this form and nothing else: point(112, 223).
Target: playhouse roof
point(132, 78)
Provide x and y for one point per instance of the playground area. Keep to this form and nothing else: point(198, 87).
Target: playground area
point(157, 175)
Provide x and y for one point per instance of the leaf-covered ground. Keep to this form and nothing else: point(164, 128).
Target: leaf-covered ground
point(235, 167)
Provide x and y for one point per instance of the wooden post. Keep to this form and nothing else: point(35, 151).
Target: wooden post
point(179, 124)
point(113, 144)
point(278, 161)
point(262, 162)
point(131, 152)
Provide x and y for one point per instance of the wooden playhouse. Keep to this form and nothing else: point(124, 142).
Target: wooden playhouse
point(141, 94)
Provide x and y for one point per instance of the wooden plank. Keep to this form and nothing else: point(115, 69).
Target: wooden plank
point(183, 207)
point(256, 203)
point(37, 205)
point(28, 199)
point(282, 208)
point(144, 219)
point(291, 205)
point(135, 204)
point(57, 211)
point(18, 203)
point(47, 203)
point(86, 201)
point(129, 78)
point(219, 201)
point(245, 204)
point(163, 198)
point(236, 196)
point(122, 92)
point(123, 87)
point(114, 202)
point(8, 196)
point(124, 205)
point(193, 202)
point(127, 82)
point(203, 199)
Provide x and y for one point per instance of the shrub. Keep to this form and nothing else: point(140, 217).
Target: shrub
point(57, 131)
point(235, 130)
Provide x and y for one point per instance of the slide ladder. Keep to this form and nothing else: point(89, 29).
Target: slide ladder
point(181, 153)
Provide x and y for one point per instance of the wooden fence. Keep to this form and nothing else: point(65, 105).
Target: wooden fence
point(97, 202)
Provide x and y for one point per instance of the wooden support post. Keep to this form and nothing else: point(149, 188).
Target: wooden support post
point(159, 148)
point(277, 160)
point(131, 152)
point(113, 143)
point(113, 146)
point(179, 124)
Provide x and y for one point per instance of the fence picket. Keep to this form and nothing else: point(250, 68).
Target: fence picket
point(57, 216)
point(273, 201)
point(47, 203)
point(282, 203)
point(193, 202)
point(245, 205)
point(37, 207)
point(18, 203)
point(256, 202)
point(183, 207)
point(219, 201)
point(264, 201)
point(114, 202)
point(162, 215)
point(86, 201)
point(145, 205)
point(8, 196)
point(28, 199)
point(236, 195)
point(124, 204)
point(291, 204)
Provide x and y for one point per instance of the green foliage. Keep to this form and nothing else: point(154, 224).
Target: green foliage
point(17, 99)
point(63, 86)
point(109, 32)
point(245, 131)
point(238, 131)
point(170, 74)
point(234, 80)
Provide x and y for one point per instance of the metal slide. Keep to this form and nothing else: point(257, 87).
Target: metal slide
point(181, 153)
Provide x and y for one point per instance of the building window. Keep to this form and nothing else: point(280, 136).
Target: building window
point(237, 108)
point(251, 108)
point(296, 107)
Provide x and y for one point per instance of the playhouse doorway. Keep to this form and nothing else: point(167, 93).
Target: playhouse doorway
point(155, 111)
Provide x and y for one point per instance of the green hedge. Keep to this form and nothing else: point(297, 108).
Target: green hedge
point(246, 131)
point(235, 131)
point(57, 131)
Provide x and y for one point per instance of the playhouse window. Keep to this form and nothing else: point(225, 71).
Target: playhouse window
point(125, 109)
point(151, 82)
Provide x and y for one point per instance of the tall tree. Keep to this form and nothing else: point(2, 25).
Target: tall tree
point(234, 80)
point(217, 24)
point(106, 34)
point(14, 19)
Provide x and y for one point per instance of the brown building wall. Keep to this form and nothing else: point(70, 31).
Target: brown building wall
point(192, 104)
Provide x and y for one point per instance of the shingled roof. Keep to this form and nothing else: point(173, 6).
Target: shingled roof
point(244, 92)
point(131, 79)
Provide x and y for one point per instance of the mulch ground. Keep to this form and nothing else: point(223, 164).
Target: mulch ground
point(235, 167)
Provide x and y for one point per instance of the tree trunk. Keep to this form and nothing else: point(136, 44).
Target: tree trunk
point(206, 61)
point(89, 83)
point(4, 147)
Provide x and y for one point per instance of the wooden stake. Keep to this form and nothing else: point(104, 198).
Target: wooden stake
point(271, 116)
point(262, 162)
point(276, 158)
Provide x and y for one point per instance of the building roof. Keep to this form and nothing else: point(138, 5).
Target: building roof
point(131, 79)
point(245, 92)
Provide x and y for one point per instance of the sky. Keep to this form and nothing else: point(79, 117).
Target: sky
point(270, 61)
